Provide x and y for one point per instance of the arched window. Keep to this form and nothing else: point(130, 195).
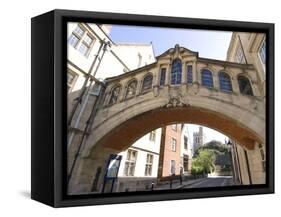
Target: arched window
point(131, 89)
point(114, 95)
point(147, 83)
point(207, 78)
point(245, 85)
point(225, 82)
point(176, 72)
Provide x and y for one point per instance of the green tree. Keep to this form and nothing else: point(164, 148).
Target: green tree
point(204, 162)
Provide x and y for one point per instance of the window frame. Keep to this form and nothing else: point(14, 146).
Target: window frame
point(73, 81)
point(249, 81)
point(226, 76)
point(130, 162)
point(203, 73)
point(171, 165)
point(148, 164)
point(178, 74)
point(185, 142)
point(147, 88)
point(162, 81)
point(152, 136)
point(82, 41)
point(174, 145)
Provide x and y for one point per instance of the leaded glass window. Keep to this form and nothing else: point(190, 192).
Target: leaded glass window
point(225, 82)
point(147, 83)
point(162, 76)
point(245, 85)
point(207, 78)
point(176, 72)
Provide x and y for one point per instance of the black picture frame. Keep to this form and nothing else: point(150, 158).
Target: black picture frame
point(48, 163)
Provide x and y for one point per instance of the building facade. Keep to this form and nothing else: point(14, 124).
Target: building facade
point(170, 161)
point(186, 150)
point(249, 48)
point(139, 164)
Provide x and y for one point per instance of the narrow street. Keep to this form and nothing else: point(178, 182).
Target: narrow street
point(213, 181)
point(216, 181)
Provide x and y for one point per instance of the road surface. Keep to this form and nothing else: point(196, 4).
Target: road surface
point(211, 182)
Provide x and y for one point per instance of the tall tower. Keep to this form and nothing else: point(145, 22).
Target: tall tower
point(198, 138)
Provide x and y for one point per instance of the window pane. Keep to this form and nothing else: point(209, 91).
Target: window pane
point(225, 83)
point(185, 142)
point(70, 78)
point(173, 167)
point(174, 144)
point(207, 78)
point(73, 40)
point(162, 76)
point(88, 40)
point(147, 83)
point(83, 49)
point(79, 31)
point(245, 86)
point(176, 72)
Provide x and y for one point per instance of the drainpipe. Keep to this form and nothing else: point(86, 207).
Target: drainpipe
point(87, 96)
point(248, 167)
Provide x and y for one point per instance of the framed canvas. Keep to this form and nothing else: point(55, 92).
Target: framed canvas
point(135, 108)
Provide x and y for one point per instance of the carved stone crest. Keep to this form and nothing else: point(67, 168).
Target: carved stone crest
point(175, 99)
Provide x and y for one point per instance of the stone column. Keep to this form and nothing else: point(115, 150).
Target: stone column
point(216, 80)
point(156, 76)
point(255, 88)
point(168, 74)
point(122, 93)
point(184, 74)
point(195, 72)
point(235, 85)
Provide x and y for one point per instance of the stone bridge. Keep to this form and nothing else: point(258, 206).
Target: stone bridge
point(180, 87)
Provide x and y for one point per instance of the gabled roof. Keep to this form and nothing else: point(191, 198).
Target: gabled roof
point(180, 49)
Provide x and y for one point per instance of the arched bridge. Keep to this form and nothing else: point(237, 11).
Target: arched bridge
point(179, 87)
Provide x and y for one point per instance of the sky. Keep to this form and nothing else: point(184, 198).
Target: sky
point(209, 44)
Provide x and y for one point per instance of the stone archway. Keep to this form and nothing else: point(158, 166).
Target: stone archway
point(129, 131)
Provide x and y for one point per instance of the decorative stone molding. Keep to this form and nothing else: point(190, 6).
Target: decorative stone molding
point(175, 98)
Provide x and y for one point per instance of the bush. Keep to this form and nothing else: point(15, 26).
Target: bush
point(203, 163)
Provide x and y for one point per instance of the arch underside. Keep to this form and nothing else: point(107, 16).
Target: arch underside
point(124, 135)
